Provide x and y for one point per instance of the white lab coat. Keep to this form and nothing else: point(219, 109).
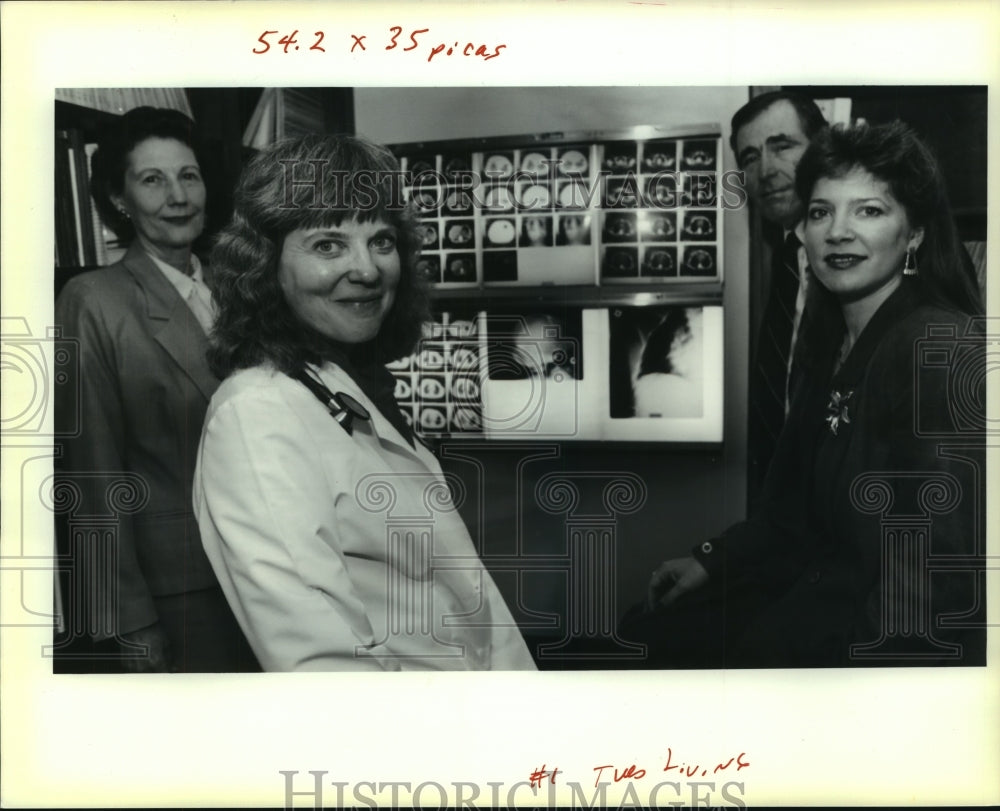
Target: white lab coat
point(340, 551)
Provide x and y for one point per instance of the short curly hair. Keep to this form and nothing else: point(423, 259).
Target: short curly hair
point(115, 144)
point(309, 182)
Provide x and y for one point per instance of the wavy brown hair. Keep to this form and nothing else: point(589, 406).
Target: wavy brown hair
point(316, 181)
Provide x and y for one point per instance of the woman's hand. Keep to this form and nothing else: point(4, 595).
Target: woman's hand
point(673, 578)
point(157, 658)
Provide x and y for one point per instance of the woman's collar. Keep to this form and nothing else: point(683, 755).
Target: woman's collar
point(900, 304)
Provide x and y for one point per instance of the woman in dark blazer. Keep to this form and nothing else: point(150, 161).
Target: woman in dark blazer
point(867, 547)
point(143, 386)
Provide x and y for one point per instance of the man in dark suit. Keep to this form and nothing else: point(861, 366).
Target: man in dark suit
point(769, 135)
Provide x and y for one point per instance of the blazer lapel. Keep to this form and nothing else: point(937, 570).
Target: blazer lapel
point(172, 323)
point(893, 310)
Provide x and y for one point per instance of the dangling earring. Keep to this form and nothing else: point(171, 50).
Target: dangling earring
point(910, 265)
point(123, 212)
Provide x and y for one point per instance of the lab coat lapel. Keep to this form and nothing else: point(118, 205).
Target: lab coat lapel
point(385, 432)
point(171, 322)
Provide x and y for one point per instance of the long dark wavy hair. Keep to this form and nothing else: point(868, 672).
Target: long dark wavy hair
point(316, 181)
point(894, 154)
point(110, 160)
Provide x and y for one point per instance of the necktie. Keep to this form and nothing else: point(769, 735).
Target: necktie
point(769, 378)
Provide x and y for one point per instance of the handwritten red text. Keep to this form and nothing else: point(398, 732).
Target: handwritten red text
point(691, 769)
point(632, 772)
point(540, 775)
point(415, 40)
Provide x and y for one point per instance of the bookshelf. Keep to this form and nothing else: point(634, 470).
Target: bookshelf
point(81, 240)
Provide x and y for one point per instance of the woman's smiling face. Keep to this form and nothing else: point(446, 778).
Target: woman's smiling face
point(164, 195)
point(341, 280)
point(856, 234)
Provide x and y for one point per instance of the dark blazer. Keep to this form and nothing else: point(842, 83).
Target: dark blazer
point(144, 386)
point(877, 479)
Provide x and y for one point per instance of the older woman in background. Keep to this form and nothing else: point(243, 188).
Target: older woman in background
point(878, 476)
point(329, 525)
point(144, 385)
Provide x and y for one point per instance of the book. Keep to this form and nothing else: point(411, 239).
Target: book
point(96, 226)
point(79, 252)
point(84, 206)
point(65, 218)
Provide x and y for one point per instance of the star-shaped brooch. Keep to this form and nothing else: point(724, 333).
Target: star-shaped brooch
point(836, 410)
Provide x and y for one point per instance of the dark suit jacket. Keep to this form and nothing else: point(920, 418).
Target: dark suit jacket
point(847, 517)
point(144, 387)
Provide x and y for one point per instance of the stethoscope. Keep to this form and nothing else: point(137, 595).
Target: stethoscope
point(342, 407)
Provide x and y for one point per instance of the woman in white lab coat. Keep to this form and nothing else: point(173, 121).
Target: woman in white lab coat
point(331, 528)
